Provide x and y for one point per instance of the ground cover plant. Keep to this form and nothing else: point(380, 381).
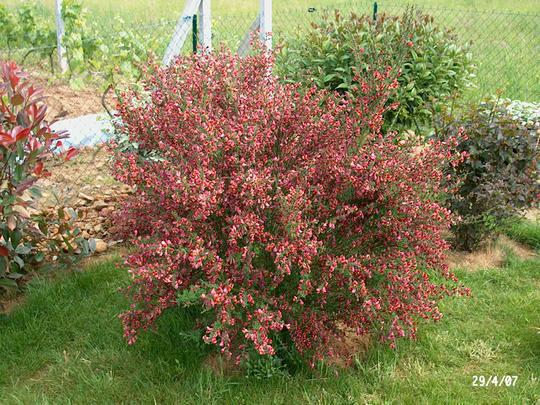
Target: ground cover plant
point(27, 148)
point(280, 216)
point(433, 63)
point(524, 231)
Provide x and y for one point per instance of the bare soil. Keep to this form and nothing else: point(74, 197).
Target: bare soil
point(64, 101)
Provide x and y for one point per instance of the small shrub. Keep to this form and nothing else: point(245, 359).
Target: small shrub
point(274, 212)
point(500, 174)
point(27, 145)
point(433, 63)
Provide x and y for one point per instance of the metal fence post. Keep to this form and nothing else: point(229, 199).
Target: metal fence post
point(375, 9)
point(194, 33)
point(60, 31)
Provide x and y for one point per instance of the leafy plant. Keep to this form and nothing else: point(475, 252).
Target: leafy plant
point(432, 62)
point(274, 212)
point(500, 173)
point(27, 145)
point(113, 59)
point(8, 30)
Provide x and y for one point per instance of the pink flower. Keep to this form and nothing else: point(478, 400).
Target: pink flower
point(264, 206)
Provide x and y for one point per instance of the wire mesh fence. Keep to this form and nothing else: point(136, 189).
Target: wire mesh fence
point(505, 47)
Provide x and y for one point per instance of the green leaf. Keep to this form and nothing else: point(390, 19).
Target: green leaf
point(20, 263)
point(23, 249)
point(7, 283)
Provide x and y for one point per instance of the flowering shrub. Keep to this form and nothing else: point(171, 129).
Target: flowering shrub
point(275, 211)
point(27, 145)
point(433, 64)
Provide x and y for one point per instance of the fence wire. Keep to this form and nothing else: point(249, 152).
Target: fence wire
point(505, 47)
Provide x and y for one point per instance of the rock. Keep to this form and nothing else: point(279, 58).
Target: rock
point(125, 189)
point(99, 205)
point(86, 197)
point(101, 246)
point(106, 211)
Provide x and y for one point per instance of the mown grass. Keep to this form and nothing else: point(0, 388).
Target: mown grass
point(524, 231)
point(64, 344)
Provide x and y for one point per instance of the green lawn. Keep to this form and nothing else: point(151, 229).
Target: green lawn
point(524, 231)
point(145, 9)
point(64, 344)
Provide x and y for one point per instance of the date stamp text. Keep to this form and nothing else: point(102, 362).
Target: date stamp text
point(494, 380)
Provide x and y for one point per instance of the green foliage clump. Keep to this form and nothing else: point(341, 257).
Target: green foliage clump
point(339, 50)
point(26, 28)
point(500, 172)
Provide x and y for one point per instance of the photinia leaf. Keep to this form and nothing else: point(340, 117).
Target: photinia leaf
point(17, 99)
point(6, 282)
point(71, 153)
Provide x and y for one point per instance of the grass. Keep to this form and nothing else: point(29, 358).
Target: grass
point(524, 231)
point(145, 9)
point(64, 344)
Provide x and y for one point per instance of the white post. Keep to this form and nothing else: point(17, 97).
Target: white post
point(181, 31)
point(60, 31)
point(205, 25)
point(266, 23)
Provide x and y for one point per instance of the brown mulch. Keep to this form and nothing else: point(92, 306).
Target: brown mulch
point(86, 185)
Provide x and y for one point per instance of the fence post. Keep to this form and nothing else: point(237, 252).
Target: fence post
point(265, 26)
point(60, 31)
point(375, 9)
point(194, 33)
point(181, 31)
point(205, 25)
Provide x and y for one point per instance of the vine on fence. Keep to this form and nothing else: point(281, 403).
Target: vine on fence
point(88, 51)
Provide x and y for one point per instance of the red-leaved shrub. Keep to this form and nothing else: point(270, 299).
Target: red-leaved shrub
point(276, 211)
point(29, 149)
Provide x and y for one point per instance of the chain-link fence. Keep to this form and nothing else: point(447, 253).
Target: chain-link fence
point(505, 47)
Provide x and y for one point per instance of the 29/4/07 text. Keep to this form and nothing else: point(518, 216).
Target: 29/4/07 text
point(494, 381)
